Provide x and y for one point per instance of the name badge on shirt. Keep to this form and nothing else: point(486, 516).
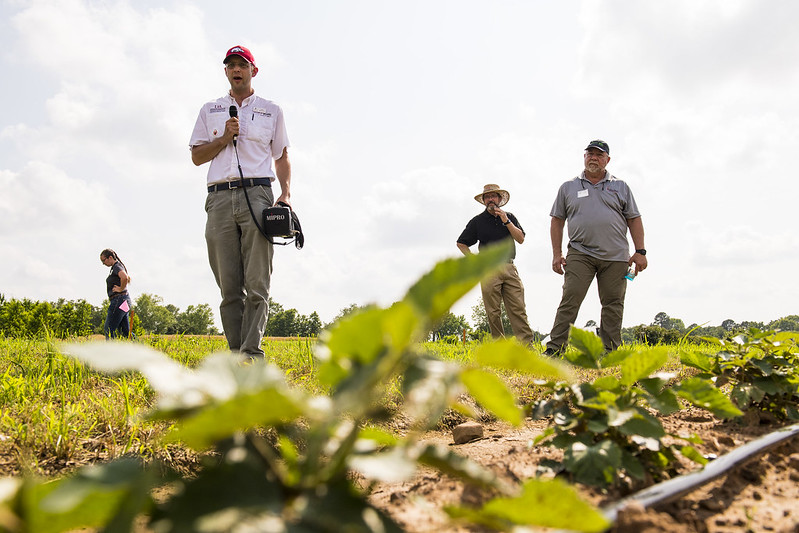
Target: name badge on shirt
point(582, 193)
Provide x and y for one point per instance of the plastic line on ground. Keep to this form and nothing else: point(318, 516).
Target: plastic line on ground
point(677, 487)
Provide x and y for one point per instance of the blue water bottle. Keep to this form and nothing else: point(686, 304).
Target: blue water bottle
point(630, 275)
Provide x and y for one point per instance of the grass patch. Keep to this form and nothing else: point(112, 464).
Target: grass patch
point(55, 413)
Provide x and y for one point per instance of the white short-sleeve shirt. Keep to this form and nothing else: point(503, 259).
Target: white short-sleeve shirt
point(262, 137)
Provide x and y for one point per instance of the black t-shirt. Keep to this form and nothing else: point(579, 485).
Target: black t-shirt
point(113, 279)
point(486, 228)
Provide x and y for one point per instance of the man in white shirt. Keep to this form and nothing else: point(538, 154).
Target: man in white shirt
point(241, 142)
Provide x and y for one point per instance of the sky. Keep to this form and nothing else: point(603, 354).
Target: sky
point(398, 114)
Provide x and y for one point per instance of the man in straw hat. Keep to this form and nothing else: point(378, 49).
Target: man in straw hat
point(491, 226)
point(600, 209)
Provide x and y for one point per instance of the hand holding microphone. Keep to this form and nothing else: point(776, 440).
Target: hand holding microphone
point(234, 113)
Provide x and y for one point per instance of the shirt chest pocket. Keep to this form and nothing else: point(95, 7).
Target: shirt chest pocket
point(216, 125)
point(261, 128)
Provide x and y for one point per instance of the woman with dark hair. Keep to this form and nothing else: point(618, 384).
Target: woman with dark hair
point(119, 304)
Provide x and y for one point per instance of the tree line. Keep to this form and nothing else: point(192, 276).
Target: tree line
point(667, 330)
point(662, 330)
point(68, 318)
point(78, 318)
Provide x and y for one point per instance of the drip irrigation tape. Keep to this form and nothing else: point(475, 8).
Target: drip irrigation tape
point(674, 488)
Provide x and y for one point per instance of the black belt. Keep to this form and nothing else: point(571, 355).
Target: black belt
point(246, 182)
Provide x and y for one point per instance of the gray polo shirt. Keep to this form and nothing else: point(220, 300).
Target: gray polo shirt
point(597, 216)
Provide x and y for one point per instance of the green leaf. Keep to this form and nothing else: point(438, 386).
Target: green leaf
point(741, 395)
point(691, 453)
point(96, 495)
point(220, 376)
point(767, 385)
point(641, 364)
point(548, 432)
point(603, 401)
point(643, 424)
point(703, 394)
point(362, 337)
point(632, 465)
point(655, 383)
point(510, 355)
point(615, 357)
point(692, 438)
point(618, 417)
point(583, 392)
point(490, 392)
point(220, 421)
point(451, 279)
point(696, 360)
point(597, 424)
point(548, 503)
point(593, 465)
point(765, 366)
point(177, 385)
point(665, 402)
point(608, 383)
point(649, 443)
point(230, 494)
point(580, 359)
point(337, 508)
point(589, 346)
point(362, 352)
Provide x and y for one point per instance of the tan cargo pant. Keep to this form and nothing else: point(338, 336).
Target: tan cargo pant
point(506, 287)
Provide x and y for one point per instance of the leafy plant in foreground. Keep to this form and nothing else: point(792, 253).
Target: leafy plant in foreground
point(762, 369)
point(607, 427)
point(282, 459)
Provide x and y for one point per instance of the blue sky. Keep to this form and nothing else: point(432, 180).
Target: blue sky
point(398, 114)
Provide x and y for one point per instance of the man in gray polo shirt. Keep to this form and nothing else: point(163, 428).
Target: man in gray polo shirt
point(599, 209)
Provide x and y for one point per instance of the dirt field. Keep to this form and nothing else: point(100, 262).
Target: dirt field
point(760, 495)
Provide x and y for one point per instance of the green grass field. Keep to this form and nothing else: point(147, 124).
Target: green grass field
point(58, 414)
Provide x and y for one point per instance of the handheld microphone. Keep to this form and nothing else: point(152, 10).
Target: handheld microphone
point(234, 112)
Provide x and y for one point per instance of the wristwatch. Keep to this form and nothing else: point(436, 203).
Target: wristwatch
point(641, 251)
point(506, 223)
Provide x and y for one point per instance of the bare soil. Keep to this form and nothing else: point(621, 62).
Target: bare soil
point(760, 495)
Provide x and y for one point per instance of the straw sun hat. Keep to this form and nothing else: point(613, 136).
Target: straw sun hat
point(504, 195)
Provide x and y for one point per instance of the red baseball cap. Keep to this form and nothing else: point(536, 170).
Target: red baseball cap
point(241, 52)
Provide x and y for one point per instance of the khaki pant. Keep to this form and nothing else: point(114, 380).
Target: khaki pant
point(241, 260)
point(580, 272)
point(506, 286)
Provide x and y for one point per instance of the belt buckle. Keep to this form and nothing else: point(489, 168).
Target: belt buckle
point(233, 184)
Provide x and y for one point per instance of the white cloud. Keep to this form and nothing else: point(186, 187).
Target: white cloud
point(397, 120)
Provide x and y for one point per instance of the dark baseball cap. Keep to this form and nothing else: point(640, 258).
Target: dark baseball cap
point(242, 52)
point(599, 145)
